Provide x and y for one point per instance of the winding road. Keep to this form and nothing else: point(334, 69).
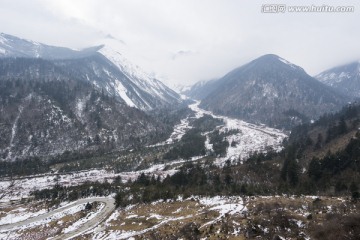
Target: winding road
point(101, 216)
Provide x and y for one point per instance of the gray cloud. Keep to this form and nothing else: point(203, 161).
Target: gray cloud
point(187, 40)
point(182, 53)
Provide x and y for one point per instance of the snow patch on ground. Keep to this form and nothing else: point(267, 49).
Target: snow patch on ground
point(24, 186)
point(224, 205)
point(84, 220)
point(250, 137)
point(19, 215)
point(122, 92)
point(51, 218)
point(13, 132)
point(179, 131)
point(112, 217)
point(80, 106)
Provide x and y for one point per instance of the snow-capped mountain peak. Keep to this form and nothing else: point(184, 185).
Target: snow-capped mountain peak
point(272, 59)
point(104, 66)
point(143, 80)
point(122, 63)
point(288, 63)
point(345, 78)
point(11, 46)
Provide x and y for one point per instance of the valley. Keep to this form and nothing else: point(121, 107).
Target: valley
point(93, 147)
point(261, 213)
point(249, 138)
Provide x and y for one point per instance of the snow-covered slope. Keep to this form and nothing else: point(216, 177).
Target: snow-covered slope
point(345, 79)
point(104, 66)
point(52, 108)
point(142, 80)
point(248, 138)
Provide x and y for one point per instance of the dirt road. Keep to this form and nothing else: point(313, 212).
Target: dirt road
point(101, 216)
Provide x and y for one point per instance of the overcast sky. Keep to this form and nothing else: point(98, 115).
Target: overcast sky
point(185, 41)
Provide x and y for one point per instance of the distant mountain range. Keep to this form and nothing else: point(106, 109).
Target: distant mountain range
point(55, 99)
point(269, 90)
point(201, 89)
point(345, 78)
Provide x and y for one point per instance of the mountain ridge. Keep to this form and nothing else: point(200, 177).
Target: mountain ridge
point(56, 99)
point(344, 78)
point(55, 111)
point(126, 80)
point(273, 91)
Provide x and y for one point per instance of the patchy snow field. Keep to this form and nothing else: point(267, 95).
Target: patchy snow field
point(250, 137)
point(24, 186)
point(65, 219)
point(218, 217)
point(221, 217)
point(143, 219)
point(18, 215)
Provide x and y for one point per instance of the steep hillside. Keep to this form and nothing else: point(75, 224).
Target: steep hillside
point(345, 79)
point(47, 109)
point(331, 133)
point(273, 91)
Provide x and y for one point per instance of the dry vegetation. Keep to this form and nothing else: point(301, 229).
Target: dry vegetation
point(271, 217)
point(276, 217)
